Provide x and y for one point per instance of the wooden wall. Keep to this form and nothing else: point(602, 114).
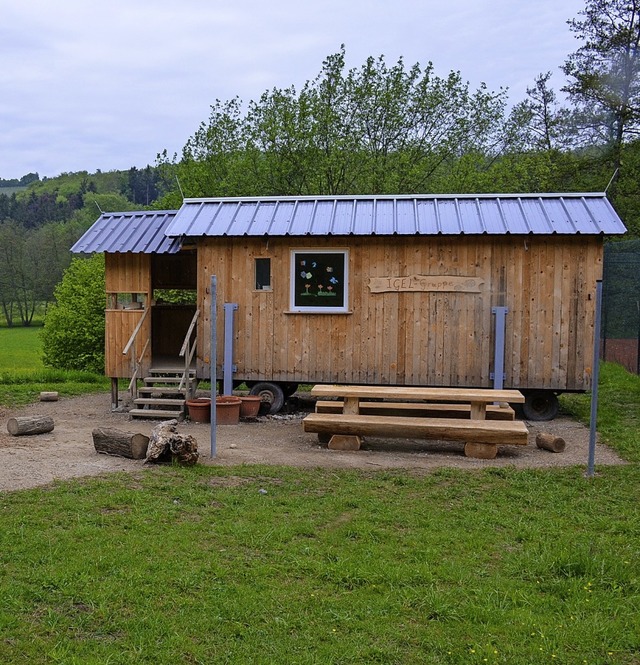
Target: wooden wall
point(415, 338)
point(120, 324)
point(128, 273)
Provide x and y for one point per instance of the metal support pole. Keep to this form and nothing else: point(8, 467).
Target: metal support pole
point(114, 394)
point(213, 360)
point(594, 382)
point(501, 324)
point(227, 367)
point(638, 345)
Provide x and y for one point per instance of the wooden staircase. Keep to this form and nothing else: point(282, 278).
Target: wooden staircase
point(162, 397)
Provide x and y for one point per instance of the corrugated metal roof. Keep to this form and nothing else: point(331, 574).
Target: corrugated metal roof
point(138, 232)
point(402, 215)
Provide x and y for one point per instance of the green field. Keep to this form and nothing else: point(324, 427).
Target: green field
point(263, 565)
point(23, 375)
point(21, 349)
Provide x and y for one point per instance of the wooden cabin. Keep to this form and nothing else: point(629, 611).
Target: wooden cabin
point(475, 290)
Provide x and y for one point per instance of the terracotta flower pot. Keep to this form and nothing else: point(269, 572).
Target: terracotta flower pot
point(199, 409)
point(227, 410)
point(250, 406)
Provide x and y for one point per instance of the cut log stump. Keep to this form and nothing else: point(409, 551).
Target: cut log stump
point(166, 445)
point(551, 442)
point(23, 425)
point(480, 450)
point(48, 396)
point(345, 442)
point(111, 441)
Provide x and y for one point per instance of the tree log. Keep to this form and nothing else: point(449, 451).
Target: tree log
point(166, 445)
point(123, 444)
point(48, 396)
point(29, 425)
point(345, 442)
point(550, 442)
point(480, 450)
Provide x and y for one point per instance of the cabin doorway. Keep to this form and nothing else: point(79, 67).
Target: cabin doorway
point(174, 285)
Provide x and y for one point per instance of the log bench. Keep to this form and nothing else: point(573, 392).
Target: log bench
point(481, 437)
point(418, 409)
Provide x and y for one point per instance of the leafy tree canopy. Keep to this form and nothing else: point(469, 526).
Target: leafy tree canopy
point(604, 74)
point(73, 335)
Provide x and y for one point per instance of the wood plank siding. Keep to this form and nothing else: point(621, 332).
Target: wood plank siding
point(120, 324)
point(125, 273)
point(128, 273)
point(431, 338)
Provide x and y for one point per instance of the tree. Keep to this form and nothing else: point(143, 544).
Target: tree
point(539, 121)
point(73, 334)
point(373, 129)
point(141, 186)
point(604, 74)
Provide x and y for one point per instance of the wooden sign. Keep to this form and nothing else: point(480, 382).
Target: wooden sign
point(455, 283)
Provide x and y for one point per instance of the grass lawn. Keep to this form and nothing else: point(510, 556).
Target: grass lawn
point(272, 565)
point(265, 565)
point(23, 375)
point(21, 349)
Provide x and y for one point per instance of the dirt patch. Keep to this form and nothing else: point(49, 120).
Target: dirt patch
point(68, 452)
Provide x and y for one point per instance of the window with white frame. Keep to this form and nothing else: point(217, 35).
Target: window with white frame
point(319, 280)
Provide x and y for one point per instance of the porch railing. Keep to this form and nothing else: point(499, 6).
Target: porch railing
point(188, 349)
point(135, 361)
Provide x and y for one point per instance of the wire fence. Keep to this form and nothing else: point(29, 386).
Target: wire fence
point(620, 336)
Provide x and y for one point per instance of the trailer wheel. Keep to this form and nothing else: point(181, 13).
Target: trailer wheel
point(271, 394)
point(540, 405)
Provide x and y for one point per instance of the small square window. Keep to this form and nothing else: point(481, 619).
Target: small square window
point(263, 274)
point(319, 281)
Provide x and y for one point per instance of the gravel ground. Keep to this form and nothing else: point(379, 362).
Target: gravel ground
point(68, 452)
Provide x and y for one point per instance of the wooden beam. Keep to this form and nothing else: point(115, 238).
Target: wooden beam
point(418, 409)
point(419, 393)
point(456, 429)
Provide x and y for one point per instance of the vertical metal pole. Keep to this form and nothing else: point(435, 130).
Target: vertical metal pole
point(638, 345)
point(498, 354)
point(213, 360)
point(227, 367)
point(605, 310)
point(594, 382)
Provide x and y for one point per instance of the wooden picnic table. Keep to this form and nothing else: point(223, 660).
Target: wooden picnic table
point(354, 420)
point(478, 398)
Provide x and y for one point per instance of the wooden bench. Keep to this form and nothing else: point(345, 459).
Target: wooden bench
point(418, 409)
point(481, 437)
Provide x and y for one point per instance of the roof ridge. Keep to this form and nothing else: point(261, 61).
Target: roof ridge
point(389, 197)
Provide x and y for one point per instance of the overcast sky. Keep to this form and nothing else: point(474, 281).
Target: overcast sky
point(87, 85)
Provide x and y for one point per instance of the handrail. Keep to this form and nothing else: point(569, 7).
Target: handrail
point(135, 332)
point(134, 361)
point(187, 351)
point(183, 350)
point(134, 376)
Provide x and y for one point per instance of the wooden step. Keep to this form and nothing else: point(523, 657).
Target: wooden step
point(171, 372)
point(156, 414)
point(161, 390)
point(162, 379)
point(160, 401)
